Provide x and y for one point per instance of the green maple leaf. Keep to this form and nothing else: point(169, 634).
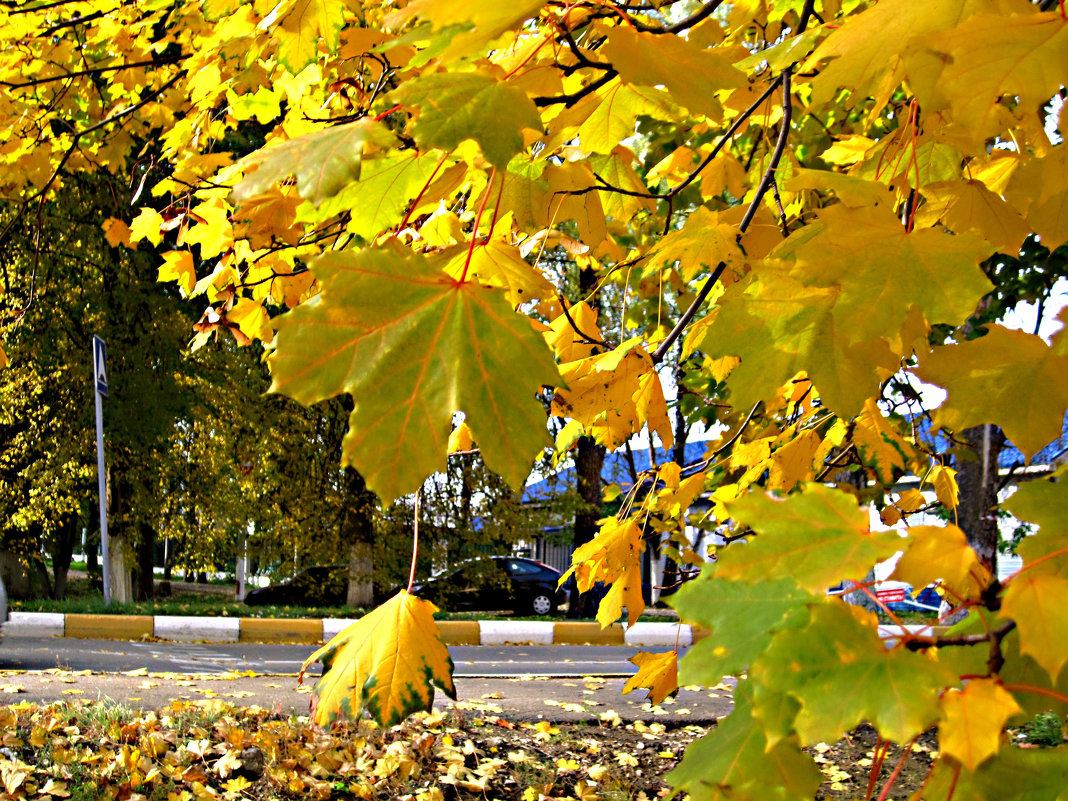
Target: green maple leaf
point(841, 672)
point(817, 538)
point(1045, 503)
point(324, 162)
point(993, 379)
point(742, 616)
point(381, 194)
point(734, 762)
point(413, 346)
point(453, 107)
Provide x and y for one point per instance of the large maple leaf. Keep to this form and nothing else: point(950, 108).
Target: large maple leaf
point(817, 538)
point(742, 616)
point(413, 346)
point(383, 663)
point(973, 719)
point(471, 105)
point(735, 762)
point(842, 673)
point(993, 379)
point(324, 162)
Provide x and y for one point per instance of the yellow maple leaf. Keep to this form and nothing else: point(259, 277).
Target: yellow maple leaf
point(147, 225)
point(178, 266)
point(606, 556)
point(626, 592)
point(383, 663)
point(992, 56)
point(116, 232)
point(973, 719)
point(656, 672)
point(944, 480)
point(461, 439)
point(936, 552)
point(1039, 605)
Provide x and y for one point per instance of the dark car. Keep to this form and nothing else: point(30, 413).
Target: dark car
point(313, 586)
point(523, 585)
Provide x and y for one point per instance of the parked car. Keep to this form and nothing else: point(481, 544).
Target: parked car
point(313, 586)
point(522, 585)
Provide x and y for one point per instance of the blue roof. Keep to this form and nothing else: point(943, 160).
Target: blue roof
point(617, 471)
point(1010, 455)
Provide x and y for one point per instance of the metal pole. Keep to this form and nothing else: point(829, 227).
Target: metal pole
point(102, 488)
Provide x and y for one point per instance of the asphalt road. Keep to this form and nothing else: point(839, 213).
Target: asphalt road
point(31, 653)
point(490, 682)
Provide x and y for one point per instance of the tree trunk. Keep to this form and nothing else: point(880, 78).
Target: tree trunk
point(145, 574)
point(589, 462)
point(978, 481)
point(118, 517)
point(357, 529)
point(62, 551)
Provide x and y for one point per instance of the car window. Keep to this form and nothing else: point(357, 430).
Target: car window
point(516, 567)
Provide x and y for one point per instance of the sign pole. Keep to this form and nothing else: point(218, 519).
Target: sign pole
point(100, 390)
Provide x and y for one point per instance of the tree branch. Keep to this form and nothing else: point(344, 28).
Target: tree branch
point(96, 71)
point(574, 97)
point(750, 213)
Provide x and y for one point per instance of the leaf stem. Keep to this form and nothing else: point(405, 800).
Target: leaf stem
point(1028, 688)
point(415, 542)
point(897, 768)
point(478, 221)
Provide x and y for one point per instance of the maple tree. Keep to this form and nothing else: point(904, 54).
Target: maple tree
point(791, 208)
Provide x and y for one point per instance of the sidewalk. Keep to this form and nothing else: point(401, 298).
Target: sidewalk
point(315, 630)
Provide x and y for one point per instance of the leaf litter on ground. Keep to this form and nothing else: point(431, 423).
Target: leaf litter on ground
point(215, 750)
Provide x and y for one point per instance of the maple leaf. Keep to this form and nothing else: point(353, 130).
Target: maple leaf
point(944, 480)
point(1016, 775)
point(742, 616)
point(324, 162)
point(473, 105)
point(735, 761)
point(994, 56)
point(1039, 605)
point(1046, 503)
point(657, 673)
point(383, 663)
point(991, 380)
point(841, 672)
point(413, 346)
point(868, 49)
point(308, 24)
point(467, 25)
point(880, 444)
point(973, 719)
point(937, 552)
point(691, 74)
point(817, 538)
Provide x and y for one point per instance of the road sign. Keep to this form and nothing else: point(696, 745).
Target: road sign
point(891, 596)
point(100, 366)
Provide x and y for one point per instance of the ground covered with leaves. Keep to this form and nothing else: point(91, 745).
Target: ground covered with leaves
point(206, 750)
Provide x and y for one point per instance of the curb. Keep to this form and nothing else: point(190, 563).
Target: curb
point(314, 630)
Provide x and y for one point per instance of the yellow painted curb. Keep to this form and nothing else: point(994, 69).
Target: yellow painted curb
point(108, 627)
point(460, 632)
point(301, 630)
point(587, 634)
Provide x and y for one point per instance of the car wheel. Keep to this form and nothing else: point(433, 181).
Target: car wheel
point(542, 604)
